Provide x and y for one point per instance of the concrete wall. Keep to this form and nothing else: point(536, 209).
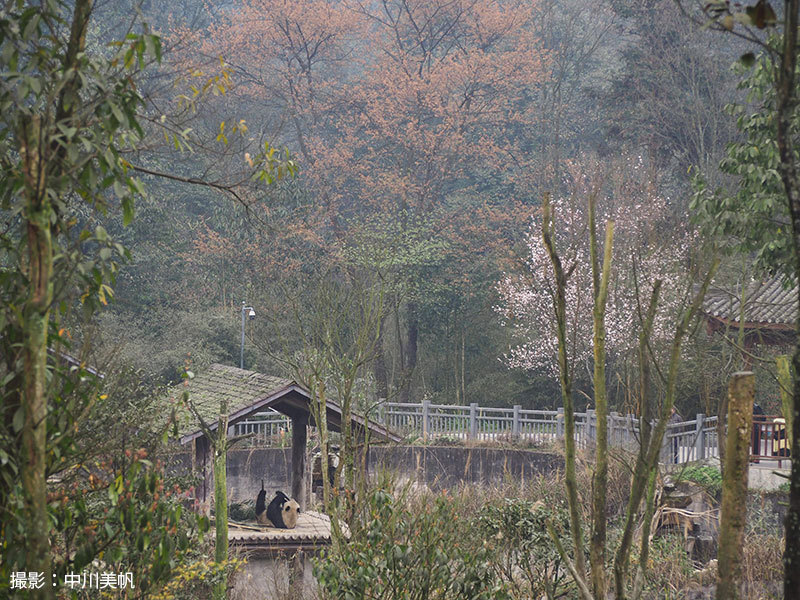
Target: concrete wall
point(441, 467)
point(435, 466)
point(766, 477)
point(275, 577)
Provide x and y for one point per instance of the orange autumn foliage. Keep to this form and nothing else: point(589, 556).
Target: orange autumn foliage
point(400, 110)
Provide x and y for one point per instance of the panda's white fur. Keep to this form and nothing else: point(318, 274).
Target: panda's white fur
point(290, 512)
point(281, 513)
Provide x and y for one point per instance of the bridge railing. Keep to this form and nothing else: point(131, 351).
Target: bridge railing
point(685, 441)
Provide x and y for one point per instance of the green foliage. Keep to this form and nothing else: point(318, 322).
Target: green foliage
point(68, 129)
point(524, 554)
point(755, 215)
point(706, 475)
point(127, 520)
point(670, 568)
point(242, 511)
point(85, 118)
point(67, 118)
point(192, 580)
point(398, 550)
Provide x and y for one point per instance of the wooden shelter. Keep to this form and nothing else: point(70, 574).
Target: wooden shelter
point(248, 393)
point(768, 315)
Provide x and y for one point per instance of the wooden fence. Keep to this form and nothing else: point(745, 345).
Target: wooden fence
point(683, 442)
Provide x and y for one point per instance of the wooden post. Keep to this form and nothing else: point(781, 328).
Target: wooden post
point(700, 438)
point(299, 437)
point(204, 495)
point(195, 474)
point(785, 384)
point(741, 392)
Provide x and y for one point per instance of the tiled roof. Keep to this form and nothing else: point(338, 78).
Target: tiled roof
point(248, 392)
point(240, 387)
point(313, 530)
point(766, 303)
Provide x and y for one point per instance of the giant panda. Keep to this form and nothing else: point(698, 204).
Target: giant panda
point(281, 513)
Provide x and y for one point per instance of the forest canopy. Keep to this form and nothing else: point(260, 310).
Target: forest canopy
point(424, 135)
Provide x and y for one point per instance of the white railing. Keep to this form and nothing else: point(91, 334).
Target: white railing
point(271, 429)
point(683, 442)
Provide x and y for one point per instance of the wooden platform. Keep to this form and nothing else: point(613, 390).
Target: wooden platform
point(313, 532)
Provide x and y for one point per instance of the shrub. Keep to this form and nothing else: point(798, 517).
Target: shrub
point(706, 475)
point(523, 553)
point(669, 570)
point(196, 578)
point(132, 522)
point(408, 548)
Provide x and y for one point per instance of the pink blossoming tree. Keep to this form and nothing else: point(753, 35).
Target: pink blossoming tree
point(648, 246)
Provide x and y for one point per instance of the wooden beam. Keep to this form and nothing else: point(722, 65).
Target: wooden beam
point(299, 437)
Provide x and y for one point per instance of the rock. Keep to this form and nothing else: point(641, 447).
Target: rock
point(688, 510)
point(704, 549)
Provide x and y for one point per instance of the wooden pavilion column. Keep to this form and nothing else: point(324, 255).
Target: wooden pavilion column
point(200, 466)
point(299, 437)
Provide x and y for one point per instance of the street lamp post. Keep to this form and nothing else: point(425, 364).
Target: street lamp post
point(247, 311)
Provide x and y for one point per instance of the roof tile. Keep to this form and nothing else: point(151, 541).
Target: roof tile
point(766, 302)
point(240, 387)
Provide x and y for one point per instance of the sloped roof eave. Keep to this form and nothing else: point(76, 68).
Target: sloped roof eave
point(248, 410)
point(256, 392)
point(769, 304)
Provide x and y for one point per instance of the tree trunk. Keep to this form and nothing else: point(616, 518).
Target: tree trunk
point(651, 438)
point(36, 311)
point(644, 553)
point(786, 105)
point(320, 414)
point(36, 317)
point(570, 480)
point(643, 471)
point(346, 461)
point(410, 350)
point(741, 392)
point(221, 498)
point(600, 276)
point(791, 556)
point(463, 367)
point(379, 367)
